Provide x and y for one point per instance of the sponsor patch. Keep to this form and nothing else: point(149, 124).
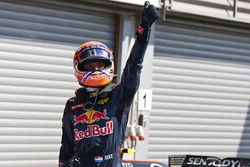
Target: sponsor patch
point(77, 106)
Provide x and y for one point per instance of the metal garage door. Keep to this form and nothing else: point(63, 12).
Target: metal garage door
point(37, 42)
point(201, 91)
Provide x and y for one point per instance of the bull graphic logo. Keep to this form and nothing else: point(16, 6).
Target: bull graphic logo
point(90, 116)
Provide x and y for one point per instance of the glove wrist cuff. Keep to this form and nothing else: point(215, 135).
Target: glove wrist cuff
point(143, 33)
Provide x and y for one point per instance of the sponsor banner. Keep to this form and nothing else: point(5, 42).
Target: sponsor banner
point(210, 161)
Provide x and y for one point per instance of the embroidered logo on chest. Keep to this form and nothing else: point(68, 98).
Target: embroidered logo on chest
point(90, 117)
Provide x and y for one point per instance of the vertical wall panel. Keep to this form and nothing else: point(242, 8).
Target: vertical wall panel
point(224, 9)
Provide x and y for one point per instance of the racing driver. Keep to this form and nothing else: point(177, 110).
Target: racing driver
point(95, 119)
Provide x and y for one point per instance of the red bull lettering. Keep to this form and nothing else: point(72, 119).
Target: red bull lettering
point(94, 131)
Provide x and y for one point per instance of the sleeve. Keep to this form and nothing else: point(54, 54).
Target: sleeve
point(67, 141)
point(130, 79)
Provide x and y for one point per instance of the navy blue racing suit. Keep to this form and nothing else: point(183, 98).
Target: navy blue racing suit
point(94, 123)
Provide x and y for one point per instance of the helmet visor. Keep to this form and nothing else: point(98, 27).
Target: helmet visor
point(94, 52)
point(100, 64)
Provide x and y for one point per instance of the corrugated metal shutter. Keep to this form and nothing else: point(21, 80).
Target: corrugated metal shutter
point(201, 91)
point(36, 76)
point(226, 9)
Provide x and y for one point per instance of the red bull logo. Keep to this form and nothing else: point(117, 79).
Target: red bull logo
point(90, 116)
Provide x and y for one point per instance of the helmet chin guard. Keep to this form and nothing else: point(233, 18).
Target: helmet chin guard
point(92, 52)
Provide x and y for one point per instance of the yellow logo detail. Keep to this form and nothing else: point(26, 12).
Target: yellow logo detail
point(90, 113)
point(103, 101)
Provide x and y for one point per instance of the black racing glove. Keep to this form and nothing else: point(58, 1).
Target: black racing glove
point(149, 15)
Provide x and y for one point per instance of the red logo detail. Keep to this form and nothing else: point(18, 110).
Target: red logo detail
point(90, 117)
point(99, 115)
point(140, 30)
point(81, 119)
point(77, 106)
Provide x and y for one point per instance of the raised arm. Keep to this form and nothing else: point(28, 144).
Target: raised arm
point(131, 74)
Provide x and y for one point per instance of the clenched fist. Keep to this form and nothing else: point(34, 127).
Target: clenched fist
point(149, 15)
